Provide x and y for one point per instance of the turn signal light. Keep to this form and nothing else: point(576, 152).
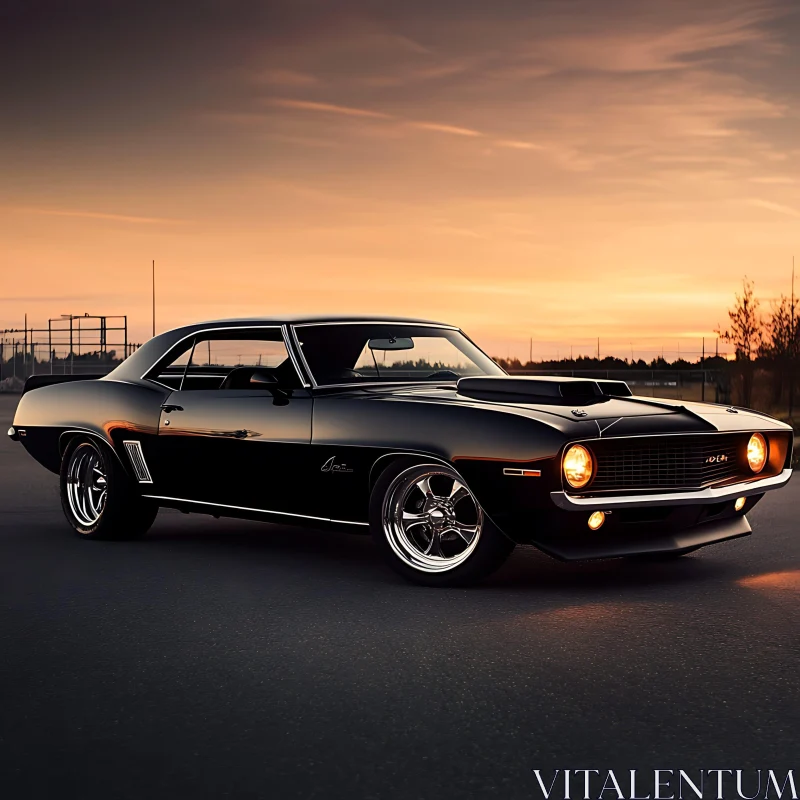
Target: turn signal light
point(578, 466)
point(757, 452)
point(596, 520)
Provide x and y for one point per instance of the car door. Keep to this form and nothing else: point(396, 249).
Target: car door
point(240, 447)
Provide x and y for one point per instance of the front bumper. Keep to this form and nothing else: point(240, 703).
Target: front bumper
point(614, 541)
point(649, 523)
point(699, 497)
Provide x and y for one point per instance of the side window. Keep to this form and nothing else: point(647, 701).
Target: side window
point(235, 360)
point(172, 373)
point(231, 353)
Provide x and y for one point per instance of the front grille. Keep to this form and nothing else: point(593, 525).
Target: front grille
point(668, 462)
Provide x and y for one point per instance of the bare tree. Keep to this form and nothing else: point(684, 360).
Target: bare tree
point(778, 346)
point(745, 334)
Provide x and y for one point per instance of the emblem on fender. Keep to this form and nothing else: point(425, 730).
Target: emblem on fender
point(331, 466)
point(579, 412)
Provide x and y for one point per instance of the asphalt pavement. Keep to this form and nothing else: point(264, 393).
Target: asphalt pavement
point(228, 659)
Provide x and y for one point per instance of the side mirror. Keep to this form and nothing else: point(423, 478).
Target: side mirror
point(261, 379)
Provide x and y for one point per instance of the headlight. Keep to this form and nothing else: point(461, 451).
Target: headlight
point(757, 452)
point(578, 466)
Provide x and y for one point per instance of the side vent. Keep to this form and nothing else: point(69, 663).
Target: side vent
point(137, 462)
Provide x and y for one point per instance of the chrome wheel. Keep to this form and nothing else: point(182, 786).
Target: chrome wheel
point(431, 519)
point(87, 485)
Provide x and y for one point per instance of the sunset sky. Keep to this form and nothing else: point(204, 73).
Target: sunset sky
point(558, 170)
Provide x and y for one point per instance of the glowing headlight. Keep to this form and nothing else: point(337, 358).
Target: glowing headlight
point(757, 452)
point(578, 466)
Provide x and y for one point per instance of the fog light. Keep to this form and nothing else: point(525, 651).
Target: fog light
point(739, 504)
point(596, 520)
point(11, 431)
point(757, 452)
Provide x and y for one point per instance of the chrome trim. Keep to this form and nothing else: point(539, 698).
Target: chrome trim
point(423, 550)
point(303, 357)
point(86, 485)
point(186, 366)
point(683, 434)
point(136, 456)
point(699, 497)
point(522, 473)
point(162, 385)
point(387, 384)
point(246, 508)
point(195, 334)
point(376, 322)
point(288, 342)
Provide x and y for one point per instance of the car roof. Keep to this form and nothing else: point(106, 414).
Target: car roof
point(133, 367)
point(302, 319)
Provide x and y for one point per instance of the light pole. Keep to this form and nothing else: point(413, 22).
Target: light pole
point(154, 297)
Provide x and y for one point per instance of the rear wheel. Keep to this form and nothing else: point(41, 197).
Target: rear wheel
point(99, 500)
point(431, 528)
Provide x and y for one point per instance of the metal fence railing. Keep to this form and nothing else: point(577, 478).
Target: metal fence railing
point(70, 345)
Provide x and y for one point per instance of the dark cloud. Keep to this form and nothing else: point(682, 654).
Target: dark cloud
point(104, 67)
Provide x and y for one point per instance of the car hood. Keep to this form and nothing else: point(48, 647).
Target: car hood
point(618, 416)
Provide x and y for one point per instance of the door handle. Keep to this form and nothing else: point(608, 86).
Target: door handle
point(167, 407)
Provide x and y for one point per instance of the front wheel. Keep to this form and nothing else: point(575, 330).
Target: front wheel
point(98, 498)
point(431, 528)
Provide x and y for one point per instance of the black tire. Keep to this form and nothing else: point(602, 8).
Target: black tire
point(484, 553)
point(121, 514)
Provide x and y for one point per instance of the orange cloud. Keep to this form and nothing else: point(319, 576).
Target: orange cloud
point(777, 207)
point(330, 108)
point(440, 128)
point(63, 212)
point(612, 171)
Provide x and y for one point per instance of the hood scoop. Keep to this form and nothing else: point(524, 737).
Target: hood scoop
point(546, 390)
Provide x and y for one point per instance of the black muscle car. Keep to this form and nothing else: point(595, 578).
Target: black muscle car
point(402, 428)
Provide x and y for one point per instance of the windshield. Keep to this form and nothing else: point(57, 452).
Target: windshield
point(383, 352)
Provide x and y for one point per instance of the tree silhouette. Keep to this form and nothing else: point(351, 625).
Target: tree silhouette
point(780, 345)
point(745, 334)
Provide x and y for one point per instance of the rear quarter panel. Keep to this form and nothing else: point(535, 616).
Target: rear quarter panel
point(109, 409)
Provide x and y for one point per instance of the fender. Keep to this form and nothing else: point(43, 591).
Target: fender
point(426, 457)
point(65, 437)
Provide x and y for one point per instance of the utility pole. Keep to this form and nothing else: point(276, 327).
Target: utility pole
point(530, 351)
point(598, 348)
point(154, 297)
point(792, 351)
point(703, 368)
